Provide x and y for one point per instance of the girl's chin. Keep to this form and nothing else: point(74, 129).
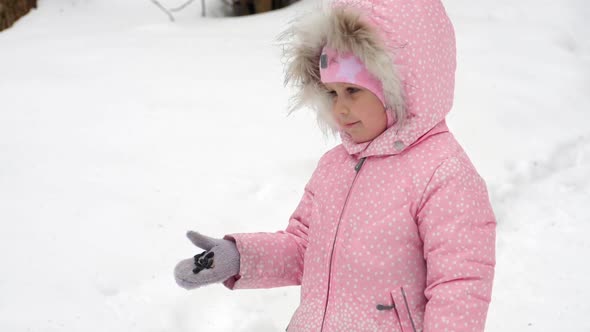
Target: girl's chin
point(358, 139)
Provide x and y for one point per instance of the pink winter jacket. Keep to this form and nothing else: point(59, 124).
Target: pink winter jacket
point(396, 234)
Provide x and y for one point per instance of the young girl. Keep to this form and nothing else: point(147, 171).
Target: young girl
point(395, 231)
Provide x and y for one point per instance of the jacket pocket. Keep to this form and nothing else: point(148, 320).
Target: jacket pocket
point(403, 310)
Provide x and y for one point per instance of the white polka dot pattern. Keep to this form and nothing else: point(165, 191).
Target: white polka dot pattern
point(412, 231)
point(417, 228)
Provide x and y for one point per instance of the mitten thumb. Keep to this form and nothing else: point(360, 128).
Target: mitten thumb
point(202, 241)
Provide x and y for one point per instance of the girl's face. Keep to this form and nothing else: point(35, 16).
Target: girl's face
point(357, 111)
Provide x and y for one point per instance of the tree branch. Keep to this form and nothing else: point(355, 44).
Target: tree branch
point(164, 9)
point(177, 9)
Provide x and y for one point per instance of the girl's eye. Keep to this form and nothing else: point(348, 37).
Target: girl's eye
point(332, 93)
point(352, 90)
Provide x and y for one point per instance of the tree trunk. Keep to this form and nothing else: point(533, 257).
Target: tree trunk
point(12, 10)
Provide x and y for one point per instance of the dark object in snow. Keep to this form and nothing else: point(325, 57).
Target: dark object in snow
point(12, 10)
point(203, 261)
point(248, 7)
point(239, 7)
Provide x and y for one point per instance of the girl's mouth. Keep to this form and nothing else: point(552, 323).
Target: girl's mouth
point(350, 125)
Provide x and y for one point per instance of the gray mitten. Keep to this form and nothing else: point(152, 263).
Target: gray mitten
point(220, 262)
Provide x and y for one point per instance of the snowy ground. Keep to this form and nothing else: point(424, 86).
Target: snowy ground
point(120, 130)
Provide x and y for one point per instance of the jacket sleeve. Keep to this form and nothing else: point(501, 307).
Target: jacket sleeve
point(274, 259)
point(458, 229)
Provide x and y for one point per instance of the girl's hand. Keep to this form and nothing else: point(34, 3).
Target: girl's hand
point(220, 261)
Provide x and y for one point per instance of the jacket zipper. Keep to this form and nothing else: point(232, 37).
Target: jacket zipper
point(408, 308)
point(357, 169)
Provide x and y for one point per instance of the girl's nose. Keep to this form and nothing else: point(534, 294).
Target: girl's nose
point(341, 108)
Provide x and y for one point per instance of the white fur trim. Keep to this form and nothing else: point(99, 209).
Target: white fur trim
point(346, 31)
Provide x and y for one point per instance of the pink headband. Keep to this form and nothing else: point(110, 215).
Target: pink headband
point(348, 68)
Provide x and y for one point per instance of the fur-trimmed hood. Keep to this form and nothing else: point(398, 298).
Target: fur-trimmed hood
point(407, 44)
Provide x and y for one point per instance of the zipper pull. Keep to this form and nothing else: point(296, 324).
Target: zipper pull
point(358, 166)
point(385, 307)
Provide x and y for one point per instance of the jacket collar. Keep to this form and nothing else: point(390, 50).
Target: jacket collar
point(388, 143)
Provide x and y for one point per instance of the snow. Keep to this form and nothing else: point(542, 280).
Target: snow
point(120, 130)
